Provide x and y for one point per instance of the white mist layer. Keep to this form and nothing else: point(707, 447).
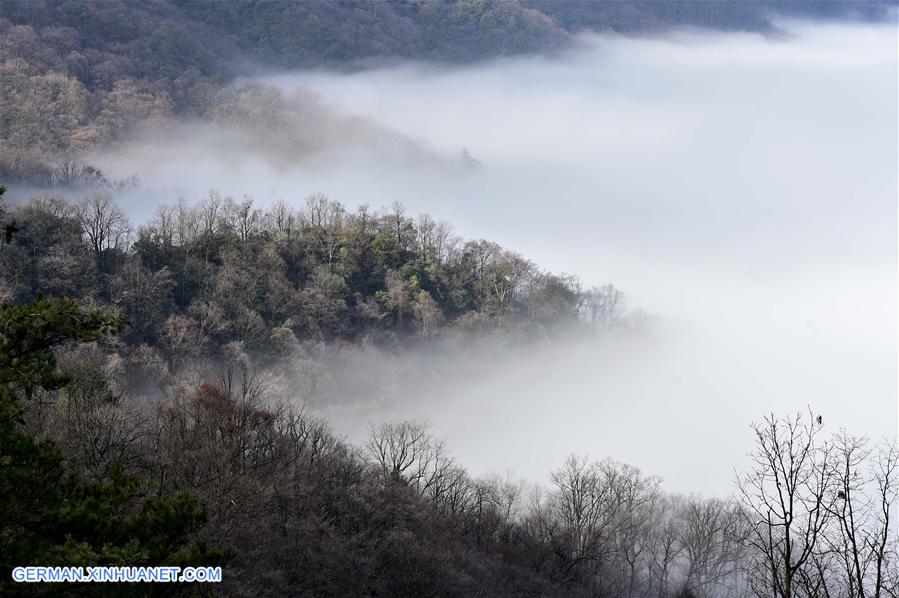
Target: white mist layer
point(742, 188)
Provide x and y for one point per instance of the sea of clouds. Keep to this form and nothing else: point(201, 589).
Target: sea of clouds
point(742, 188)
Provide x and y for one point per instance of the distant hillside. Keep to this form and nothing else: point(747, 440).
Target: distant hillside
point(642, 16)
point(77, 74)
point(169, 41)
point(310, 33)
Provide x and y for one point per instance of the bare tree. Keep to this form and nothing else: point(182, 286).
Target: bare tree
point(187, 223)
point(479, 255)
point(331, 236)
point(283, 220)
point(666, 544)
point(883, 542)
point(242, 218)
point(67, 171)
point(405, 452)
point(425, 236)
point(316, 206)
point(432, 238)
point(397, 219)
point(163, 227)
point(865, 495)
point(103, 222)
point(209, 212)
point(598, 507)
point(708, 540)
point(787, 499)
point(326, 219)
point(602, 306)
point(95, 423)
point(505, 275)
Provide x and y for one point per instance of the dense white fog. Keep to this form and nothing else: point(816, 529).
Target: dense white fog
point(743, 189)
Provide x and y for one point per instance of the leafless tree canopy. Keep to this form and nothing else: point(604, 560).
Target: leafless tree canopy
point(817, 511)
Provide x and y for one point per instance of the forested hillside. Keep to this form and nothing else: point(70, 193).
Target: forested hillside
point(78, 75)
point(645, 16)
point(224, 271)
point(159, 415)
point(165, 384)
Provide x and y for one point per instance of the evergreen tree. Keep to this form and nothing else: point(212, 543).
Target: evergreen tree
point(51, 516)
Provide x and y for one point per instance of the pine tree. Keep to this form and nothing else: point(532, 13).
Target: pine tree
point(50, 515)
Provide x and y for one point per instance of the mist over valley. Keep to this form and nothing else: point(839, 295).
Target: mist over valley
point(451, 297)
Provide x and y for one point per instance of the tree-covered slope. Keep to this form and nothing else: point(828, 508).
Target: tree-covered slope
point(76, 75)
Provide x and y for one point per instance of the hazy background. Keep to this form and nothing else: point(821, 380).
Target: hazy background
point(742, 188)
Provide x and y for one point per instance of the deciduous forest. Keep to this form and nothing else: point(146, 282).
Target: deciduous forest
point(163, 378)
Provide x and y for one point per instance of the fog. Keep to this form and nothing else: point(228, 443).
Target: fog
point(740, 188)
